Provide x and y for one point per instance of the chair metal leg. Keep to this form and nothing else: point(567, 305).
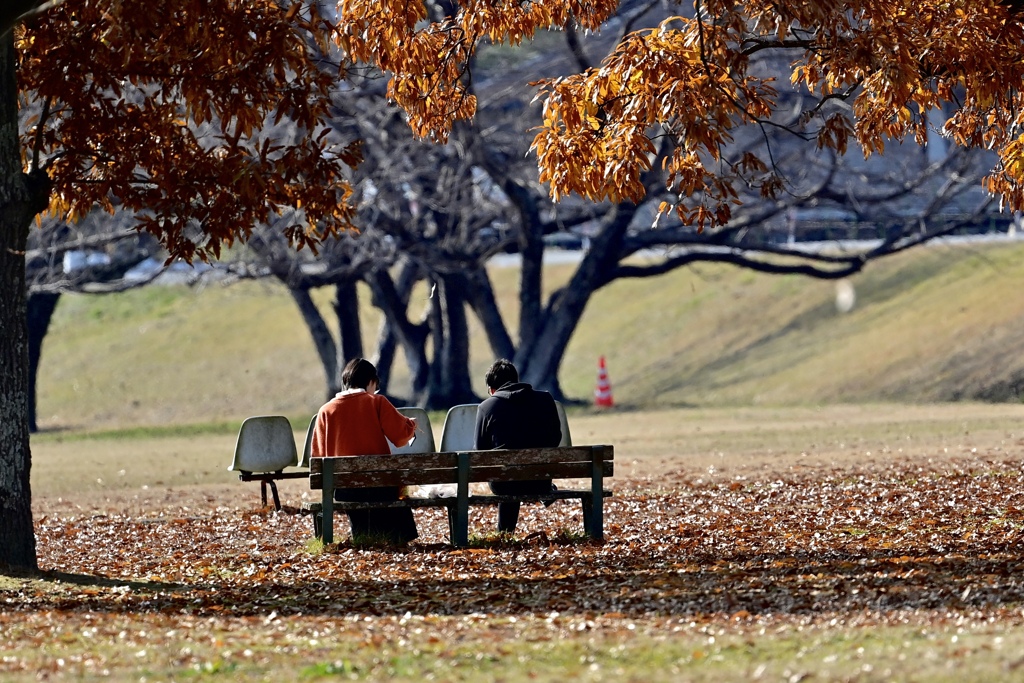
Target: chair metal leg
point(277, 499)
point(451, 523)
point(263, 492)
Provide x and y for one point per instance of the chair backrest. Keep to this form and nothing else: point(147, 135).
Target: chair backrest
point(459, 431)
point(265, 444)
point(424, 442)
point(307, 446)
point(564, 421)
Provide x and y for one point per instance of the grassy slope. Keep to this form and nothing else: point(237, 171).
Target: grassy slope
point(936, 324)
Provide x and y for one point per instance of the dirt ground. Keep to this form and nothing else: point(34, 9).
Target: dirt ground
point(143, 477)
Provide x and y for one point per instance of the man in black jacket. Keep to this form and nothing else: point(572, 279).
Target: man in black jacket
point(515, 416)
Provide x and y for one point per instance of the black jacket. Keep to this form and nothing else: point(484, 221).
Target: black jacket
point(517, 416)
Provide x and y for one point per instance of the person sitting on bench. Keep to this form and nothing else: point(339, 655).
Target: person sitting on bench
point(515, 416)
point(359, 421)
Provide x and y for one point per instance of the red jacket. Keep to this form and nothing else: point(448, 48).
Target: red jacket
point(358, 423)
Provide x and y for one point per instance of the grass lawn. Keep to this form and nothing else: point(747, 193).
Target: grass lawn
point(847, 543)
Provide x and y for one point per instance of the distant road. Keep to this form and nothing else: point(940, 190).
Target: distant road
point(559, 256)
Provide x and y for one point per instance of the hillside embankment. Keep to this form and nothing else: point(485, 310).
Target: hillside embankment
point(939, 323)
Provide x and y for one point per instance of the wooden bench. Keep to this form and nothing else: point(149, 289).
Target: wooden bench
point(462, 468)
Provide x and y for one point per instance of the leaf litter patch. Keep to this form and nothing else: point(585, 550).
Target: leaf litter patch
point(888, 541)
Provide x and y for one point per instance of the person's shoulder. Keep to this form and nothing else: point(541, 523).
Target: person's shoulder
point(543, 395)
point(488, 404)
point(378, 399)
point(331, 404)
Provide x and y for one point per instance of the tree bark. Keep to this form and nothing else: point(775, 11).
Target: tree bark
point(21, 198)
point(539, 362)
point(531, 247)
point(412, 337)
point(326, 348)
point(480, 296)
point(450, 382)
point(350, 331)
point(40, 312)
point(387, 341)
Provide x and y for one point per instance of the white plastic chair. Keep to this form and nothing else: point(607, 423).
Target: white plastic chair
point(564, 421)
point(424, 442)
point(459, 431)
point(307, 446)
point(265, 446)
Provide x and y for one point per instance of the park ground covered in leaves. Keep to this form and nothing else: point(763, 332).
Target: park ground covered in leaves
point(908, 570)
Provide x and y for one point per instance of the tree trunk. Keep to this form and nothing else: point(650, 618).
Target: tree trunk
point(530, 284)
point(21, 198)
point(17, 537)
point(450, 381)
point(539, 362)
point(387, 341)
point(480, 295)
point(412, 337)
point(40, 313)
point(326, 348)
point(350, 331)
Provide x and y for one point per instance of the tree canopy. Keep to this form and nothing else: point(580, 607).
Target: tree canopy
point(878, 69)
point(164, 108)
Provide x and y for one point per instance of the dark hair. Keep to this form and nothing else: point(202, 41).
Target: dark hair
point(500, 373)
point(358, 374)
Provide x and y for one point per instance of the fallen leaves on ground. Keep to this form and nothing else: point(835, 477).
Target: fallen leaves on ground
point(903, 538)
point(909, 543)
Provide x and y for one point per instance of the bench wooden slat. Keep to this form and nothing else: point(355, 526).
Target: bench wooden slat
point(370, 463)
point(391, 478)
point(538, 456)
point(416, 477)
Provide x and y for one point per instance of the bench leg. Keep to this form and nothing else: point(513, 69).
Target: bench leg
point(318, 525)
point(593, 518)
point(588, 515)
point(327, 507)
point(460, 537)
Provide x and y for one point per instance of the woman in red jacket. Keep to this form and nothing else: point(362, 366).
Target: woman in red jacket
point(359, 421)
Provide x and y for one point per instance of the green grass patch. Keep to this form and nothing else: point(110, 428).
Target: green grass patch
point(515, 652)
point(141, 432)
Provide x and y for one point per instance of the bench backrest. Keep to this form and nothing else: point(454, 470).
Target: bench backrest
point(459, 431)
point(573, 462)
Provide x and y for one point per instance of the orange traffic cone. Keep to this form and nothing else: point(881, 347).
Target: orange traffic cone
point(603, 393)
